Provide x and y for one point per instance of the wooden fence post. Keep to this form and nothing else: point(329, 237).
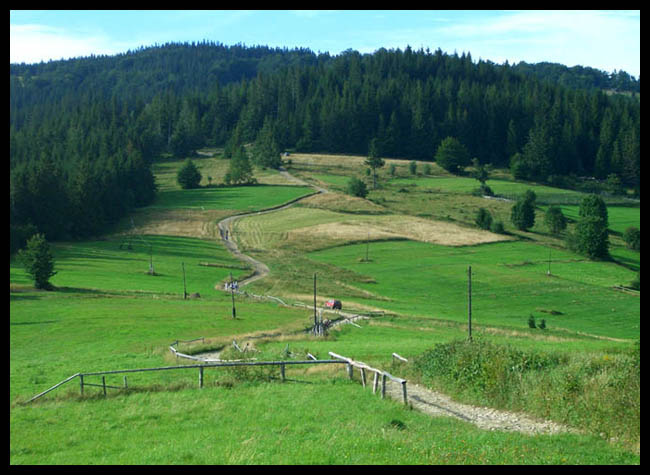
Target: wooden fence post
point(200, 376)
point(383, 385)
point(374, 383)
point(104, 384)
point(363, 377)
point(126, 386)
point(404, 392)
point(282, 372)
point(81, 383)
point(349, 371)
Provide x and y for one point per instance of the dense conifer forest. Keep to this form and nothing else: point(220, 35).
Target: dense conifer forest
point(84, 132)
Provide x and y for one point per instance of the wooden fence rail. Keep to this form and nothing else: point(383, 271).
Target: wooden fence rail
point(384, 375)
point(200, 367)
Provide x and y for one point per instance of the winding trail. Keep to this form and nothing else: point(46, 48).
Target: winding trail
point(420, 398)
point(260, 270)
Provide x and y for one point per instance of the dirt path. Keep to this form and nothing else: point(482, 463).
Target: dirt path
point(422, 399)
point(260, 269)
point(438, 404)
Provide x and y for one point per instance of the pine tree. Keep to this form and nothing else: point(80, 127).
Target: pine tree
point(523, 212)
point(38, 261)
point(188, 175)
point(240, 170)
point(452, 155)
point(591, 235)
point(374, 161)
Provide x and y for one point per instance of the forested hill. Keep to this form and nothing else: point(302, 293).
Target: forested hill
point(84, 132)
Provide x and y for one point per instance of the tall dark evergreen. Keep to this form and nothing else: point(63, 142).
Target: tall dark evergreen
point(100, 122)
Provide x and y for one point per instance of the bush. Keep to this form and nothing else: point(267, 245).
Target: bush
point(188, 175)
point(38, 261)
point(357, 188)
point(483, 368)
point(497, 227)
point(483, 219)
point(452, 155)
point(523, 213)
point(632, 237)
point(531, 322)
point(413, 167)
point(555, 220)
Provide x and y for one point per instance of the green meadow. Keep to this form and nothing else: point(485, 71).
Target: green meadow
point(509, 282)
point(108, 313)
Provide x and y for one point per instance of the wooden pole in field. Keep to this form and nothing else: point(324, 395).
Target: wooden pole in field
point(367, 244)
point(232, 297)
point(469, 302)
point(184, 286)
point(315, 316)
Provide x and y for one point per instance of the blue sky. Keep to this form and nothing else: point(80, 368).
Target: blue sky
point(606, 40)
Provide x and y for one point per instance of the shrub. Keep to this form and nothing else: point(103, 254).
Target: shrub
point(483, 219)
point(452, 155)
point(357, 188)
point(188, 175)
point(632, 237)
point(555, 220)
point(531, 321)
point(413, 167)
point(523, 214)
point(497, 227)
point(38, 261)
point(483, 368)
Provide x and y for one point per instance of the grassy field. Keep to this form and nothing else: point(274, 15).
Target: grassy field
point(108, 313)
point(509, 283)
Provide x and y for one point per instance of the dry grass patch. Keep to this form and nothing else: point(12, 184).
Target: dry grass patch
point(342, 203)
point(178, 222)
point(394, 227)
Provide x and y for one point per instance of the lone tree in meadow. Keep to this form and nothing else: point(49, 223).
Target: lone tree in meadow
point(591, 236)
point(523, 212)
point(374, 161)
point(452, 155)
point(357, 188)
point(38, 261)
point(555, 220)
point(188, 175)
point(240, 171)
point(482, 173)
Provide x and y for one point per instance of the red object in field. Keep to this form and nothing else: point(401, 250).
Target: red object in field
point(334, 304)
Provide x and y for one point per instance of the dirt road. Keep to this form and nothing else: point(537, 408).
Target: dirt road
point(260, 269)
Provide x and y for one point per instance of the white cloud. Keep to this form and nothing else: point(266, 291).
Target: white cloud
point(34, 43)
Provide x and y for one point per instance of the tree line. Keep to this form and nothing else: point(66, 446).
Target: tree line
point(84, 132)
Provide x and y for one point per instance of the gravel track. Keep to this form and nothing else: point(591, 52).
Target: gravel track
point(422, 399)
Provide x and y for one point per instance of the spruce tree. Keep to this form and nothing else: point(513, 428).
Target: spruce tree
point(452, 155)
point(374, 161)
point(188, 175)
point(38, 261)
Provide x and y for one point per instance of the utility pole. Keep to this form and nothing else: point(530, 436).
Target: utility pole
point(469, 302)
point(232, 297)
point(151, 271)
point(315, 316)
point(367, 244)
point(184, 287)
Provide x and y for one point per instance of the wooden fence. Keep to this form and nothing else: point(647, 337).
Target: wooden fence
point(363, 367)
point(200, 367)
point(351, 364)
